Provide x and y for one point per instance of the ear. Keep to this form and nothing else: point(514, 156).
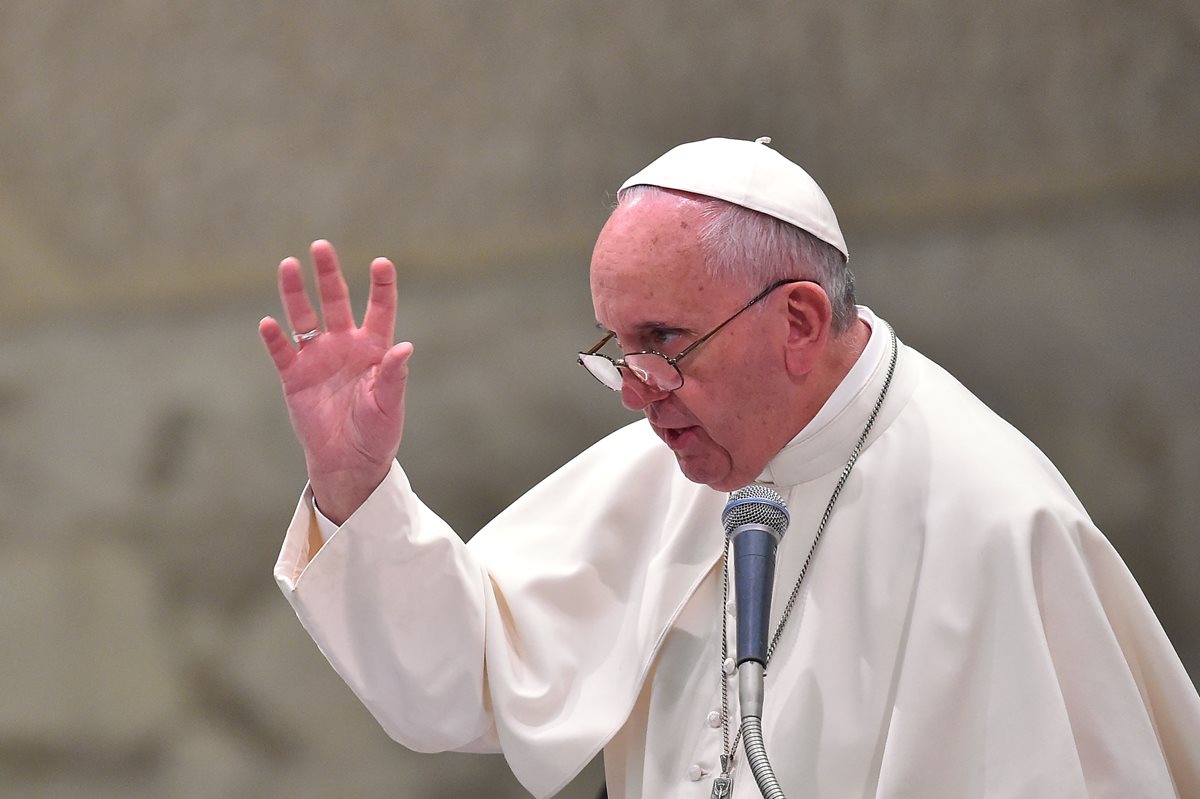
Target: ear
point(809, 317)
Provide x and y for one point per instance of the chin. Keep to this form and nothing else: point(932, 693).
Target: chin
point(703, 461)
point(727, 484)
point(705, 474)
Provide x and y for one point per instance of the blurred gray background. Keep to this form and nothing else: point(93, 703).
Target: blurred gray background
point(1019, 184)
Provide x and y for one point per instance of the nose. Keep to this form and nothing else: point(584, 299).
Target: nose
point(636, 395)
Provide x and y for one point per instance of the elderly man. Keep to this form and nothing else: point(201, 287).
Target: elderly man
point(949, 622)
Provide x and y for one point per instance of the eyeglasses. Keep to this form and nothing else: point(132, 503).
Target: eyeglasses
point(657, 371)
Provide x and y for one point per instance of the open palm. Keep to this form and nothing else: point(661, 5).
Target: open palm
point(344, 387)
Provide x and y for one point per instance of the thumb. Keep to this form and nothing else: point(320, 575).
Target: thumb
point(392, 378)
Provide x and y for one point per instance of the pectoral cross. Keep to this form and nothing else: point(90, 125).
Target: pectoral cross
point(723, 783)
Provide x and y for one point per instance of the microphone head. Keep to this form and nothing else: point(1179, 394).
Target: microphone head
point(755, 504)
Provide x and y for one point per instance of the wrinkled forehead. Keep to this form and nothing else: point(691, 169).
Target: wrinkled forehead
point(648, 266)
point(653, 235)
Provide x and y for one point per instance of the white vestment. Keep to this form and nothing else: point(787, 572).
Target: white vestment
point(964, 629)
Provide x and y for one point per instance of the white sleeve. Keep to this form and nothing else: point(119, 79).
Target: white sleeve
point(396, 603)
point(533, 640)
point(325, 526)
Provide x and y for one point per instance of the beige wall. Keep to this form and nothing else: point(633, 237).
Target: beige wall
point(1019, 186)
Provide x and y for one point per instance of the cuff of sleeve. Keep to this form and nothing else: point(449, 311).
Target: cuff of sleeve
point(325, 527)
point(310, 530)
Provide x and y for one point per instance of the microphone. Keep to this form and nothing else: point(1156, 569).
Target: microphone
point(755, 519)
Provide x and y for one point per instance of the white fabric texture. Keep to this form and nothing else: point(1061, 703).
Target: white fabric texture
point(965, 631)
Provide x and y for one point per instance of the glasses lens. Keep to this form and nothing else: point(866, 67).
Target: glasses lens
point(602, 369)
point(653, 370)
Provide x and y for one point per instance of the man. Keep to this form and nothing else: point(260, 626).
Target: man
point(964, 630)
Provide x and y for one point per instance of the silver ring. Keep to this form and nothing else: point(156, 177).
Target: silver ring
point(300, 338)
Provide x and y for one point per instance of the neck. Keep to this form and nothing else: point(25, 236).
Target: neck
point(836, 362)
point(848, 347)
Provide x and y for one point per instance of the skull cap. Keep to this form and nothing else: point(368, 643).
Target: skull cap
point(749, 174)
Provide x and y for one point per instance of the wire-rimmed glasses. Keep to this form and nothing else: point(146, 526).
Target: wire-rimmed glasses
point(653, 369)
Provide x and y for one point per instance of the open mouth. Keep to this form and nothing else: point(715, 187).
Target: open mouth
point(675, 436)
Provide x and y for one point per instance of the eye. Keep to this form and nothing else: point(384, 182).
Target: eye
point(662, 337)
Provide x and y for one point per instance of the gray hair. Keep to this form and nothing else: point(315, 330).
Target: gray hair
point(757, 249)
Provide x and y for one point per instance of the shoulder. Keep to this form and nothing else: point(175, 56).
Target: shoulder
point(992, 512)
point(621, 502)
point(631, 452)
point(978, 483)
point(625, 474)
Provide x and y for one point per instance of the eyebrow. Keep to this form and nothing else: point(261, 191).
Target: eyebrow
point(648, 327)
point(644, 327)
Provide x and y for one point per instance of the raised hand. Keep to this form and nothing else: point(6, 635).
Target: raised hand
point(344, 385)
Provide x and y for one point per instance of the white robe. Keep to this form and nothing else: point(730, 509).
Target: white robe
point(964, 630)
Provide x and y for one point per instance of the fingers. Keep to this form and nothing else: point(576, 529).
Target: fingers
point(380, 318)
point(392, 378)
point(331, 286)
point(279, 347)
point(297, 308)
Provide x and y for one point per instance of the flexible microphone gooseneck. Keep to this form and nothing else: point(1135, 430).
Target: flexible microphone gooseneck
point(755, 520)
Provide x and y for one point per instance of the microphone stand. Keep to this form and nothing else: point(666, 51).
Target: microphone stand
point(750, 698)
